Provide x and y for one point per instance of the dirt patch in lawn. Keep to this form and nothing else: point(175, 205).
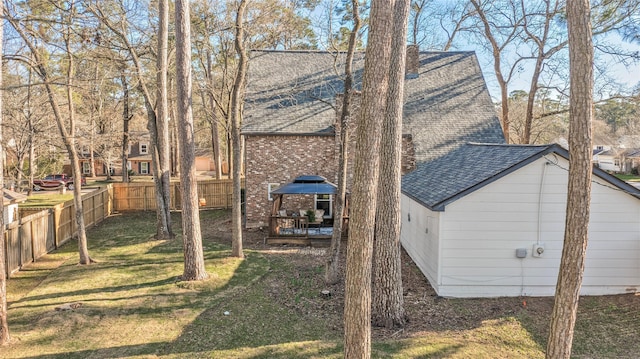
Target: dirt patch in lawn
point(427, 312)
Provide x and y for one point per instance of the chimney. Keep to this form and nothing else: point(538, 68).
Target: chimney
point(412, 66)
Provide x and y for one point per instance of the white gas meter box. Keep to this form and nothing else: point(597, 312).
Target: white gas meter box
point(538, 250)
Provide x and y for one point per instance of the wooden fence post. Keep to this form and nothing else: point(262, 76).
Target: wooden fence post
point(57, 211)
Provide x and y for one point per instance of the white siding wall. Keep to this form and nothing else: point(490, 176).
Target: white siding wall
point(607, 163)
point(419, 237)
point(480, 233)
point(10, 213)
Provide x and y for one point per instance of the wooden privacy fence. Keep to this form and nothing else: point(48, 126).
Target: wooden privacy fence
point(42, 230)
point(141, 196)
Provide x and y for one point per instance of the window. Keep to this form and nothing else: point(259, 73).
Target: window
point(272, 187)
point(129, 165)
point(144, 168)
point(144, 148)
point(84, 150)
point(86, 168)
point(325, 201)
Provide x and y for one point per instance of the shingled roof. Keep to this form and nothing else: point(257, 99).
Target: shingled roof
point(446, 105)
point(473, 165)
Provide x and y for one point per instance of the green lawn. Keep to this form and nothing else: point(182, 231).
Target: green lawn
point(131, 304)
point(628, 178)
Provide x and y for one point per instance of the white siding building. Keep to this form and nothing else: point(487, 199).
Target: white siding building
point(10, 203)
point(474, 220)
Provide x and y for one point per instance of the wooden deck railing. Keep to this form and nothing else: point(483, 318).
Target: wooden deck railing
point(288, 226)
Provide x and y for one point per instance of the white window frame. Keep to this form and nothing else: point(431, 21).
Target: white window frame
point(144, 168)
point(129, 165)
point(270, 188)
point(330, 200)
point(86, 168)
point(146, 148)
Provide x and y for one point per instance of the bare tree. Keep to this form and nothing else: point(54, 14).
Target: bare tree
point(236, 101)
point(157, 126)
point(388, 301)
point(4, 324)
point(547, 41)
point(191, 233)
point(160, 129)
point(357, 306)
point(126, 117)
point(571, 270)
point(331, 275)
point(500, 34)
point(40, 65)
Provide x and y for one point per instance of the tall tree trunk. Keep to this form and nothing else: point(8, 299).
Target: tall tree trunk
point(125, 126)
point(159, 128)
point(388, 302)
point(331, 275)
point(236, 101)
point(70, 144)
point(32, 158)
point(174, 132)
point(357, 305)
point(194, 268)
point(215, 133)
point(531, 98)
point(32, 138)
point(571, 270)
point(4, 324)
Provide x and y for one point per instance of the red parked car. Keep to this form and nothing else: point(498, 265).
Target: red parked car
point(55, 181)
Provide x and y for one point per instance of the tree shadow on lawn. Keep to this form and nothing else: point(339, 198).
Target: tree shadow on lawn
point(273, 306)
point(246, 318)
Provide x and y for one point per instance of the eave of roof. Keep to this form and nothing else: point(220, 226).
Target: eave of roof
point(11, 197)
point(440, 182)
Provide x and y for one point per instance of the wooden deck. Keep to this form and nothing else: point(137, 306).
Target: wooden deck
point(295, 230)
point(319, 241)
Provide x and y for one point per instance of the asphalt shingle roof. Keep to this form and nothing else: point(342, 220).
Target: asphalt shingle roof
point(474, 165)
point(446, 105)
point(441, 181)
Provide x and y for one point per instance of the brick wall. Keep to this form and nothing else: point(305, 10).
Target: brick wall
point(279, 159)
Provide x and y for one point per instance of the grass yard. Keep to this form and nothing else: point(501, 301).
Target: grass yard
point(46, 199)
point(627, 177)
point(130, 304)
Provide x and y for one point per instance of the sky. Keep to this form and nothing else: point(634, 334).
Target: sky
point(627, 77)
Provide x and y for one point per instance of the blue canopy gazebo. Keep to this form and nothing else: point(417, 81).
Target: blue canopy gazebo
point(302, 185)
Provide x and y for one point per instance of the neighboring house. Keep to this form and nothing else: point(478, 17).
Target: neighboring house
point(631, 163)
point(292, 105)
point(11, 200)
point(139, 159)
point(474, 220)
point(607, 158)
